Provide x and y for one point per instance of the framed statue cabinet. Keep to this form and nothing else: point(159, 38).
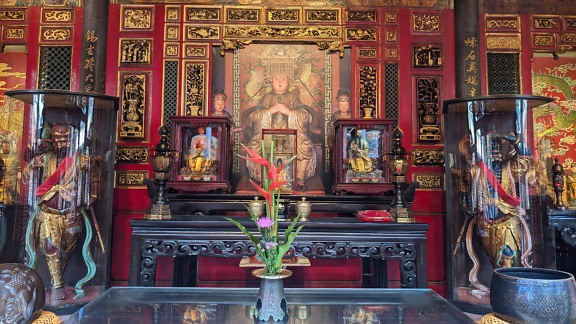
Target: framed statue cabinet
point(202, 154)
point(360, 150)
point(496, 201)
point(68, 179)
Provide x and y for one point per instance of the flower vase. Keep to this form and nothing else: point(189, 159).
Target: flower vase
point(271, 302)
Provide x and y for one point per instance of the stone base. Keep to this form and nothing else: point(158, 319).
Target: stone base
point(158, 212)
point(402, 215)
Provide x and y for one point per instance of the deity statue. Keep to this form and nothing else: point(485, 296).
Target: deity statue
point(68, 187)
point(219, 104)
point(11, 171)
point(358, 159)
point(281, 109)
point(343, 100)
point(203, 152)
point(571, 185)
point(285, 174)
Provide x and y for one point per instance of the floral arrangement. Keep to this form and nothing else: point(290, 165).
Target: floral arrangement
point(269, 249)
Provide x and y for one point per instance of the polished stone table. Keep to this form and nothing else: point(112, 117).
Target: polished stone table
point(326, 237)
point(228, 305)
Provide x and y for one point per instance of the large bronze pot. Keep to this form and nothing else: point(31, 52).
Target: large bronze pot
point(534, 295)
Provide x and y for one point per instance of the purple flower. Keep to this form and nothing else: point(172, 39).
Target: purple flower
point(270, 245)
point(265, 222)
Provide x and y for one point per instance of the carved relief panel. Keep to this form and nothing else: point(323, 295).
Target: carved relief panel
point(368, 94)
point(428, 103)
point(135, 51)
point(137, 18)
point(428, 56)
point(133, 87)
point(194, 88)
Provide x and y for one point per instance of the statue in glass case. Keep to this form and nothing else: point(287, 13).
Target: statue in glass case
point(11, 170)
point(202, 155)
point(362, 155)
point(68, 187)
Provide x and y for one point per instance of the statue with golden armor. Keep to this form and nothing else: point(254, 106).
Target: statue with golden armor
point(492, 190)
point(362, 153)
point(202, 155)
point(10, 169)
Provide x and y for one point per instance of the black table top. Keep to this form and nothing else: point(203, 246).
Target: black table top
point(233, 305)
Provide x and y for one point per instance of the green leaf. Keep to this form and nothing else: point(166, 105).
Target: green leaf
point(284, 247)
point(291, 227)
point(254, 219)
point(252, 238)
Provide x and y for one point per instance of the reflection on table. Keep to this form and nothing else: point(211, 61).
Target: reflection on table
point(317, 306)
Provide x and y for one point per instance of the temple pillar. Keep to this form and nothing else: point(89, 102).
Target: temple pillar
point(466, 16)
point(94, 32)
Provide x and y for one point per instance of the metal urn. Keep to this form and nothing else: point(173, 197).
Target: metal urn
point(303, 208)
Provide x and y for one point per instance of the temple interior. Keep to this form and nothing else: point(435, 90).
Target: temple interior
point(325, 161)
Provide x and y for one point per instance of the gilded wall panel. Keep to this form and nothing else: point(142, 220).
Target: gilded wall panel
point(242, 15)
point(14, 34)
point(428, 56)
point(133, 87)
point(312, 16)
point(391, 53)
point(195, 88)
point(171, 50)
point(391, 36)
point(568, 38)
point(12, 15)
point(390, 18)
point(503, 41)
point(55, 34)
point(283, 32)
point(137, 18)
point(130, 178)
point(132, 154)
point(364, 16)
point(367, 52)
point(172, 14)
point(428, 157)
point(64, 16)
point(570, 23)
point(542, 22)
point(429, 180)
point(499, 23)
point(172, 32)
point(361, 34)
point(283, 15)
point(426, 22)
point(543, 40)
point(198, 32)
point(135, 51)
point(368, 85)
point(195, 51)
point(202, 14)
point(428, 101)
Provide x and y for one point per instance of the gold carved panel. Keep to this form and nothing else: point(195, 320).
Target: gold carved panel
point(363, 16)
point(132, 154)
point(391, 53)
point(202, 14)
point(14, 34)
point(130, 178)
point(283, 15)
point(12, 14)
point(312, 16)
point(503, 41)
point(283, 32)
point(426, 22)
point(56, 34)
point(543, 40)
point(133, 87)
point(542, 22)
point(391, 36)
point(390, 18)
point(171, 50)
point(135, 51)
point(57, 16)
point(361, 34)
point(172, 14)
point(568, 38)
point(172, 32)
point(195, 84)
point(428, 104)
point(499, 23)
point(368, 84)
point(242, 15)
point(428, 56)
point(137, 18)
point(196, 32)
point(367, 52)
point(195, 51)
point(428, 157)
point(570, 23)
point(429, 180)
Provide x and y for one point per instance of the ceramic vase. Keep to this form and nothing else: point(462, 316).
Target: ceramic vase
point(271, 302)
point(532, 295)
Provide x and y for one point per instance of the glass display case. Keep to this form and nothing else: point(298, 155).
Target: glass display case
point(359, 153)
point(202, 154)
point(68, 176)
point(496, 208)
point(284, 149)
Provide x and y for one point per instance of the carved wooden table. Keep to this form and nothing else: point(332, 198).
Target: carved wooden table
point(332, 238)
point(563, 239)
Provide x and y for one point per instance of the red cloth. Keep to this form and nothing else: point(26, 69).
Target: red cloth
point(380, 216)
point(512, 200)
point(55, 177)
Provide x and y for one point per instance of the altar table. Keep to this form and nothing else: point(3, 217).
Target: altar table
point(306, 306)
point(326, 237)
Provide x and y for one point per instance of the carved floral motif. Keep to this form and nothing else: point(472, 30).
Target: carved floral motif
point(361, 34)
point(195, 51)
point(498, 23)
point(51, 15)
point(326, 16)
point(242, 15)
point(12, 15)
point(137, 18)
point(194, 89)
point(14, 33)
point(202, 32)
point(428, 157)
point(368, 90)
point(429, 181)
point(282, 32)
point(135, 51)
point(126, 178)
point(570, 23)
point(132, 154)
point(133, 105)
point(543, 40)
point(503, 41)
point(283, 15)
point(568, 38)
point(428, 56)
point(367, 53)
point(428, 101)
point(56, 34)
point(193, 14)
point(424, 22)
point(546, 22)
point(361, 16)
